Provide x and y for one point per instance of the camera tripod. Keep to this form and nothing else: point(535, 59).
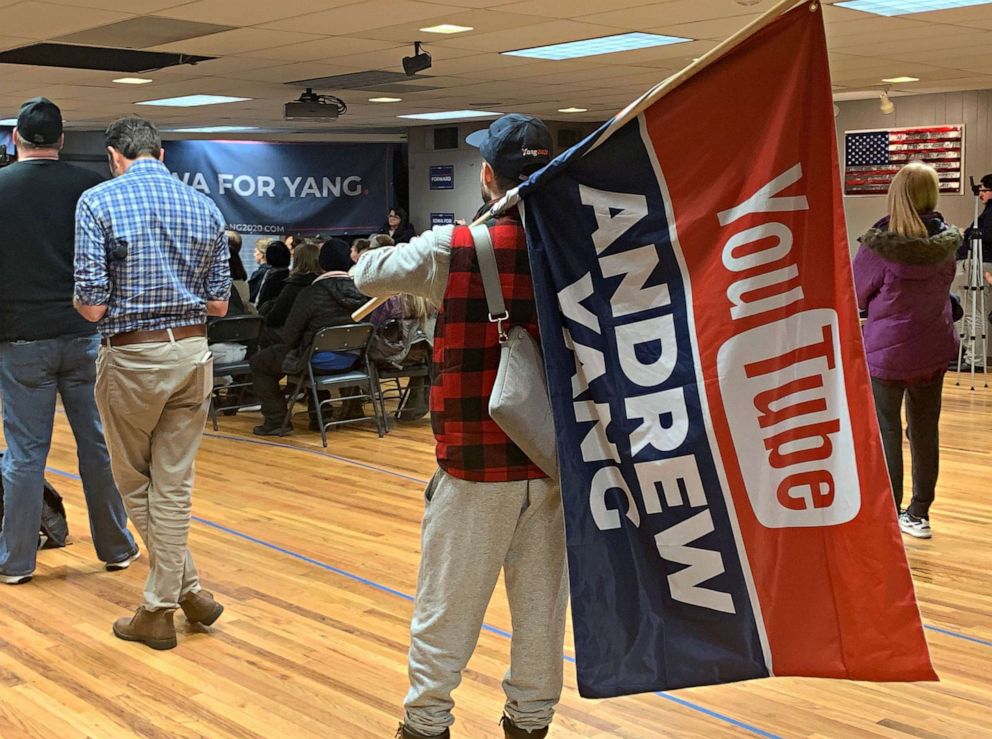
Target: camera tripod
point(974, 333)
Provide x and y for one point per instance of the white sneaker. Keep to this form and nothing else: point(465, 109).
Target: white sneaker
point(14, 579)
point(123, 564)
point(918, 527)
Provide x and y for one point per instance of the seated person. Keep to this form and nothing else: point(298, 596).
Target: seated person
point(404, 337)
point(357, 247)
point(329, 301)
point(239, 275)
point(255, 281)
point(277, 256)
point(305, 269)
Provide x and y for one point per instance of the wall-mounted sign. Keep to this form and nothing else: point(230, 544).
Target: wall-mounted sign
point(443, 177)
point(872, 158)
point(274, 188)
point(442, 219)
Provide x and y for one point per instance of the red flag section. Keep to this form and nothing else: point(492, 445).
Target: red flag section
point(753, 184)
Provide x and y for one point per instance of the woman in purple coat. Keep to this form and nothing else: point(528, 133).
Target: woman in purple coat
point(903, 273)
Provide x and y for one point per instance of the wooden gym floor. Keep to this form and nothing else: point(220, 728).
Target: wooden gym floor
point(315, 554)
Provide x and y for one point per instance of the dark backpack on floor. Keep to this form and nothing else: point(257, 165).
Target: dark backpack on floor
point(54, 527)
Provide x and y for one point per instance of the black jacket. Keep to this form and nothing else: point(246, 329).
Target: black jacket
point(404, 232)
point(984, 230)
point(255, 281)
point(276, 311)
point(272, 285)
point(327, 302)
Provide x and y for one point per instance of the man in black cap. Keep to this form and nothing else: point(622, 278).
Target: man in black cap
point(46, 348)
point(488, 506)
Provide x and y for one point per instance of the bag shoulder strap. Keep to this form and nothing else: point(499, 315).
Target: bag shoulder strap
point(490, 273)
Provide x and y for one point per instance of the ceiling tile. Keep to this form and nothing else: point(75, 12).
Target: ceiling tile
point(249, 12)
point(42, 21)
point(362, 16)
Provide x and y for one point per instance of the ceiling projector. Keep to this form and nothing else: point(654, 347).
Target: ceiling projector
point(314, 107)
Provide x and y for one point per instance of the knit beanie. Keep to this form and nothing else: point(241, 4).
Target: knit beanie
point(277, 255)
point(335, 256)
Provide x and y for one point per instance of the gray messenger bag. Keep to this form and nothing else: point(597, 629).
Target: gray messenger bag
point(519, 404)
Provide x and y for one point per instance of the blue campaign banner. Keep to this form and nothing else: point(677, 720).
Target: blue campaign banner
point(273, 188)
point(442, 177)
point(659, 595)
point(442, 219)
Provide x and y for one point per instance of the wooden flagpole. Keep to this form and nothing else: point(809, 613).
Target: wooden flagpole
point(642, 103)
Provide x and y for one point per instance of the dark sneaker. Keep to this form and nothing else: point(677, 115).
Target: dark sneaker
point(918, 527)
point(512, 731)
point(405, 732)
point(266, 430)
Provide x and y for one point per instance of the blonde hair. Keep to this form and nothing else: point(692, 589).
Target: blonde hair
point(914, 190)
point(415, 306)
point(264, 243)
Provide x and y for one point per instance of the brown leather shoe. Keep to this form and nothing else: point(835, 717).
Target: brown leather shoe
point(200, 607)
point(151, 628)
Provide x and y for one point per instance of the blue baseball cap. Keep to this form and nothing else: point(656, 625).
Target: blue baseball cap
point(515, 145)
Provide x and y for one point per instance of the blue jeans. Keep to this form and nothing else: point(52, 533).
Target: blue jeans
point(31, 373)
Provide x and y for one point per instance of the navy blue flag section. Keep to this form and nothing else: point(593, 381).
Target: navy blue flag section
point(661, 602)
point(727, 508)
point(274, 188)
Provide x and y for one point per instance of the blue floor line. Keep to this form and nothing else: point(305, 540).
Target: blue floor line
point(407, 597)
point(491, 629)
point(956, 635)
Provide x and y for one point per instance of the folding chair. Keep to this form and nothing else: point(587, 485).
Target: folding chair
point(239, 329)
point(394, 375)
point(351, 337)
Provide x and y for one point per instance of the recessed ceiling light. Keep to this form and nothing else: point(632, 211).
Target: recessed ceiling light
point(385, 100)
point(214, 129)
point(447, 28)
point(191, 101)
point(133, 81)
point(903, 7)
point(448, 114)
point(572, 110)
point(8, 122)
point(601, 45)
point(897, 80)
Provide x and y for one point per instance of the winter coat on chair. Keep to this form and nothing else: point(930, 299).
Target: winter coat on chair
point(903, 283)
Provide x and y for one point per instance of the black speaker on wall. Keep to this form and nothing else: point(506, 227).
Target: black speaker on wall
point(446, 138)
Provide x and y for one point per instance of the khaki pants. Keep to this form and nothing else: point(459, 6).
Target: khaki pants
point(153, 401)
point(471, 531)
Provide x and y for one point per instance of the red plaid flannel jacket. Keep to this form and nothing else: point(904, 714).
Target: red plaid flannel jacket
point(470, 445)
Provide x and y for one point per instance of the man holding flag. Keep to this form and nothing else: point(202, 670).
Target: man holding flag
point(488, 507)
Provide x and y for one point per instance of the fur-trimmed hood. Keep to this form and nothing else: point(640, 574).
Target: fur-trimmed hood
point(912, 250)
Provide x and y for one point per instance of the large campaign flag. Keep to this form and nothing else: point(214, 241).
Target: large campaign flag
point(275, 188)
point(727, 506)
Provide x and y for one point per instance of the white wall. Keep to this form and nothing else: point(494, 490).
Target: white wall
point(466, 198)
point(973, 109)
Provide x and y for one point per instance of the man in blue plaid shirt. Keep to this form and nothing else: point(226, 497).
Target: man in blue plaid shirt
point(151, 264)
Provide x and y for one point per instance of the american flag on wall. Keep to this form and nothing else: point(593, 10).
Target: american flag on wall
point(873, 157)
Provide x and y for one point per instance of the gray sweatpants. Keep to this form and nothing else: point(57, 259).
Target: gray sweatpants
point(470, 531)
